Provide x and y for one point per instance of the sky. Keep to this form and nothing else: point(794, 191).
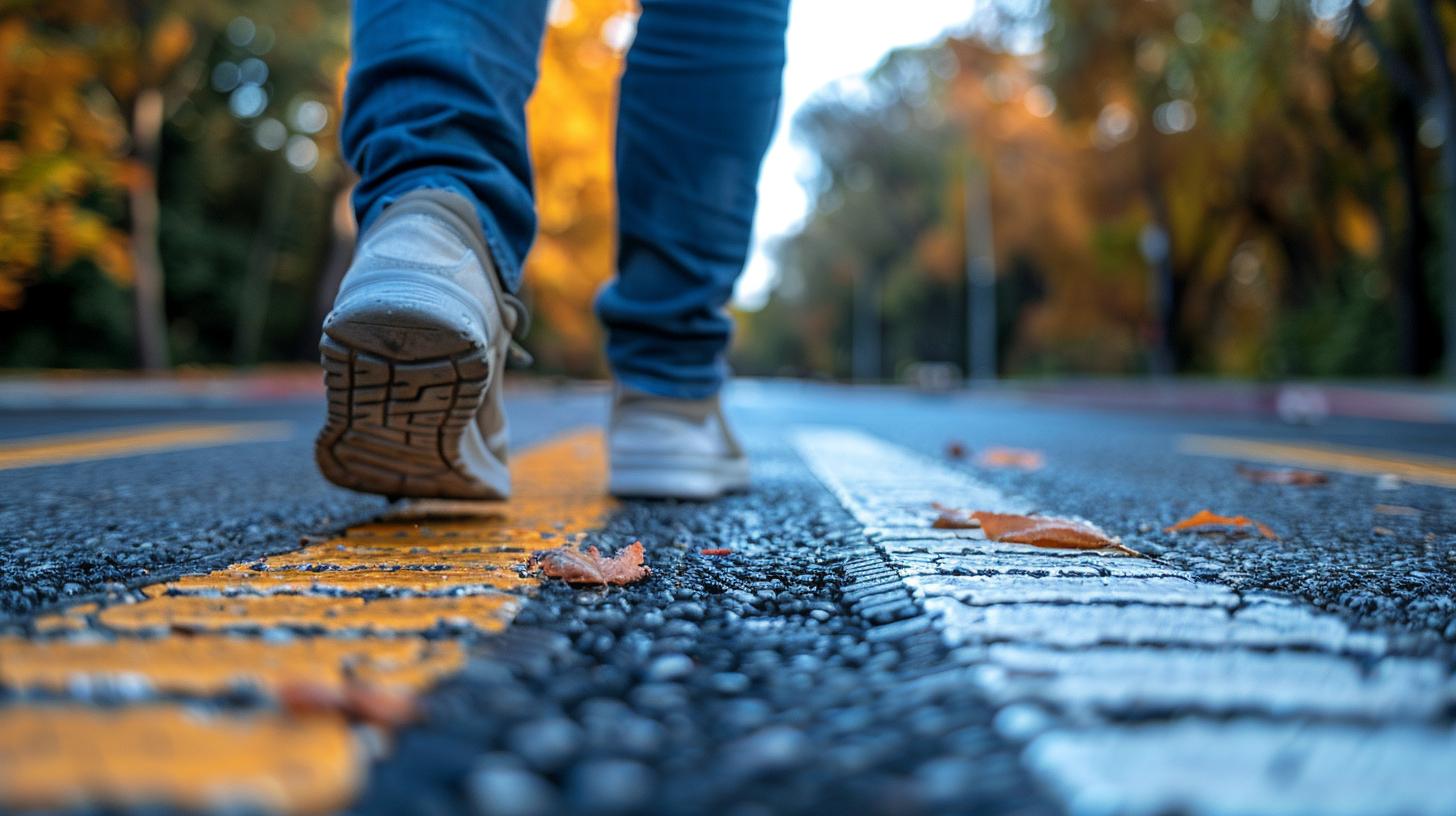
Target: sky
point(828, 41)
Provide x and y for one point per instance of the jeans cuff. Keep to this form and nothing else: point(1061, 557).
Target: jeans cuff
point(672, 389)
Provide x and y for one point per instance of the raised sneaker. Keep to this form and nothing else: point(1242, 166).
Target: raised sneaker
point(413, 354)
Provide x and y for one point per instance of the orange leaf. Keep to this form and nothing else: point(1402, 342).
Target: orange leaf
point(953, 519)
point(1208, 518)
point(1038, 531)
point(1283, 476)
point(589, 567)
point(1045, 531)
point(1011, 458)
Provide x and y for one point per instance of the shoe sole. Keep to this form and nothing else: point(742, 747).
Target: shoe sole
point(676, 480)
point(395, 424)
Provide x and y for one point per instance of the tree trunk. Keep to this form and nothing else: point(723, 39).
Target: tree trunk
point(1157, 248)
point(146, 258)
point(1443, 93)
point(253, 303)
point(1413, 312)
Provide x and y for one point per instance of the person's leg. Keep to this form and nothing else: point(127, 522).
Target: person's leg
point(436, 99)
point(699, 100)
point(414, 347)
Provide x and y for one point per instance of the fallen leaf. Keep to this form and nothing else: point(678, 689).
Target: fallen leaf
point(953, 519)
point(715, 551)
point(955, 449)
point(355, 701)
point(589, 567)
point(1384, 531)
point(1396, 510)
point(1047, 531)
point(1282, 476)
point(1038, 531)
point(1208, 518)
point(1010, 458)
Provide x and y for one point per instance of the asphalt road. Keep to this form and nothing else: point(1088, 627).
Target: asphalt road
point(801, 673)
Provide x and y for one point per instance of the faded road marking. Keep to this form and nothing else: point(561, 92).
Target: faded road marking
point(54, 756)
point(390, 606)
point(1429, 470)
point(1263, 704)
point(62, 449)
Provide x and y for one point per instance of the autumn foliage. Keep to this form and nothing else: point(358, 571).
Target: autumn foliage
point(589, 566)
point(1038, 531)
point(1209, 521)
point(571, 118)
point(59, 151)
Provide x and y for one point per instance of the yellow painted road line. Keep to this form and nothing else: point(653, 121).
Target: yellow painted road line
point(152, 754)
point(1429, 470)
point(356, 610)
point(110, 444)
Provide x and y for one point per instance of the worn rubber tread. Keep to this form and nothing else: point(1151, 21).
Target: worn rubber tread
point(395, 427)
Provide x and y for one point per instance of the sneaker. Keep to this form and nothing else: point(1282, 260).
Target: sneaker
point(664, 448)
point(413, 353)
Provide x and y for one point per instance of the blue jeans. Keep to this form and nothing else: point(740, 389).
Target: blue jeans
point(436, 98)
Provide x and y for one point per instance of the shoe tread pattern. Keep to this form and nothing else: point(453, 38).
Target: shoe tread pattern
point(394, 427)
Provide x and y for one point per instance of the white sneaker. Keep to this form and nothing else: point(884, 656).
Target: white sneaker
point(664, 448)
point(413, 354)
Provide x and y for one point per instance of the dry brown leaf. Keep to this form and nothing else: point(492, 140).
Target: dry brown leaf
point(1282, 476)
point(589, 567)
point(1038, 531)
point(1208, 518)
point(1046, 531)
point(357, 702)
point(1011, 458)
point(952, 519)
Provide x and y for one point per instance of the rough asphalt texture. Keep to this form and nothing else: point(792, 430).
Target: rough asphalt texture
point(68, 532)
point(1122, 471)
point(794, 676)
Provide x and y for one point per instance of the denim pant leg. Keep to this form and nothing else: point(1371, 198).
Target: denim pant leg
point(436, 99)
point(698, 104)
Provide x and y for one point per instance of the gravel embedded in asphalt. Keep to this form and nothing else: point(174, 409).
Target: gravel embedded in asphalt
point(745, 683)
point(73, 531)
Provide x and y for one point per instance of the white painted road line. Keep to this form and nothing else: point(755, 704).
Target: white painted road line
point(1316, 717)
point(1251, 767)
point(1129, 679)
point(1255, 626)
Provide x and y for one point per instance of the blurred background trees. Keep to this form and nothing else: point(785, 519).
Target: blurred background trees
point(1199, 186)
point(1258, 188)
point(171, 190)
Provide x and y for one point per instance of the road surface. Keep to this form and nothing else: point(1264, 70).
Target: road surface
point(193, 618)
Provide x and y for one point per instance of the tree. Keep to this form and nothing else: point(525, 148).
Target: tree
point(571, 117)
point(1434, 87)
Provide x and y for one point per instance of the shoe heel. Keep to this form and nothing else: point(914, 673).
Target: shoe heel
point(400, 427)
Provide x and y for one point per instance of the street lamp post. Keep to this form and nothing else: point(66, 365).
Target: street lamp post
point(980, 277)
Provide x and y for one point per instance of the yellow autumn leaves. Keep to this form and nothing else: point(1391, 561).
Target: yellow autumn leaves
point(60, 146)
point(571, 118)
